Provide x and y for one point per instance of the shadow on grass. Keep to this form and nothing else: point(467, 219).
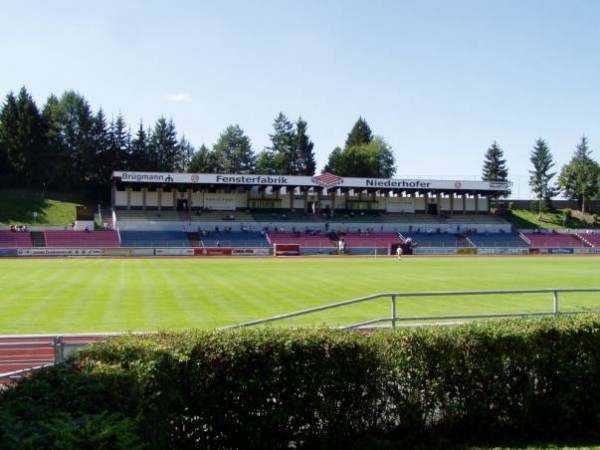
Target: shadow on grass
point(19, 205)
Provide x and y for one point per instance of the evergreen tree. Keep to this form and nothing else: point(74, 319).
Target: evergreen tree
point(363, 155)
point(73, 140)
point(283, 147)
point(336, 163)
point(232, 153)
point(23, 136)
point(265, 162)
point(360, 134)
point(579, 179)
point(101, 139)
point(9, 135)
point(305, 156)
point(115, 155)
point(3, 160)
point(60, 169)
point(540, 176)
point(494, 165)
point(138, 151)
point(163, 147)
point(186, 152)
point(202, 161)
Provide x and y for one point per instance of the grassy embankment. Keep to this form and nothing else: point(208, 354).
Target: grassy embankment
point(17, 206)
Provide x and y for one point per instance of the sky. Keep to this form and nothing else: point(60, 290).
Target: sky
point(439, 80)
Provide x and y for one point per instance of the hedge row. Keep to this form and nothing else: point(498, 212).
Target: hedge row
point(273, 388)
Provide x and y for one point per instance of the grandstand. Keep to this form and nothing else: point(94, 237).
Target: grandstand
point(498, 240)
point(233, 239)
point(72, 238)
point(154, 239)
point(553, 240)
point(591, 239)
point(15, 239)
point(370, 239)
point(189, 212)
point(439, 240)
point(305, 240)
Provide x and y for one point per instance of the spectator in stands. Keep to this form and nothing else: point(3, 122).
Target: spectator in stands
point(12, 227)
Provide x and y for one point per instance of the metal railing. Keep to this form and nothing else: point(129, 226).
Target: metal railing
point(394, 320)
point(59, 347)
point(64, 345)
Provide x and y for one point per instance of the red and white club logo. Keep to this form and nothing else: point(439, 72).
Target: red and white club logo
point(195, 177)
point(457, 184)
point(327, 180)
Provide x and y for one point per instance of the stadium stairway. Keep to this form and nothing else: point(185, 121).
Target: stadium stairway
point(464, 241)
point(38, 239)
point(194, 239)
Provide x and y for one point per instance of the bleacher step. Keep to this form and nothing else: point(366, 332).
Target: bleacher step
point(38, 239)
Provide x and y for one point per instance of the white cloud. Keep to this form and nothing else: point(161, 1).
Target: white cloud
point(179, 97)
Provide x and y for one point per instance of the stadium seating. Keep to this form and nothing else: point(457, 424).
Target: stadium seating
point(435, 240)
point(370, 240)
point(97, 239)
point(307, 240)
point(154, 239)
point(496, 240)
point(553, 240)
point(591, 239)
point(147, 215)
point(15, 239)
point(234, 239)
point(272, 215)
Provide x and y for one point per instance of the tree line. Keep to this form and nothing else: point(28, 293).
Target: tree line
point(578, 180)
point(67, 146)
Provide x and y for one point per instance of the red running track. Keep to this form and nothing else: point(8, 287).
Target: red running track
point(26, 352)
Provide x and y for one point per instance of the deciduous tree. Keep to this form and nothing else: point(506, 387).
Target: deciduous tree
point(232, 153)
point(579, 179)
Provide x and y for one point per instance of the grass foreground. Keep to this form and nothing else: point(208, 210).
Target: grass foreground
point(120, 295)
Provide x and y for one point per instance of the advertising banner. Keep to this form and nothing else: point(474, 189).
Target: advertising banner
point(215, 251)
point(503, 251)
point(174, 252)
point(116, 251)
point(250, 252)
point(560, 251)
point(286, 249)
point(59, 252)
point(434, 251)
point(587, 250)
point(142, 252)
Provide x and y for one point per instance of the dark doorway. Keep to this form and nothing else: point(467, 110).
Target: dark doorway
point(182, 205)
point(432, 209)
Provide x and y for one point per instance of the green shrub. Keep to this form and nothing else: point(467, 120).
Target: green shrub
point(268, 388)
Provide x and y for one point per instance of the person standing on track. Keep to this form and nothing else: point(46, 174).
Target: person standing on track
point(399, 252)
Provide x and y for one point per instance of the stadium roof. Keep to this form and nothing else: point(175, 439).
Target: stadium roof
point(326, 180)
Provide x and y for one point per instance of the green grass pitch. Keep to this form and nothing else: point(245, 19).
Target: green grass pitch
point(111, 295)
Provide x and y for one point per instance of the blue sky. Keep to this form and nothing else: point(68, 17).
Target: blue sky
point(438, 80)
